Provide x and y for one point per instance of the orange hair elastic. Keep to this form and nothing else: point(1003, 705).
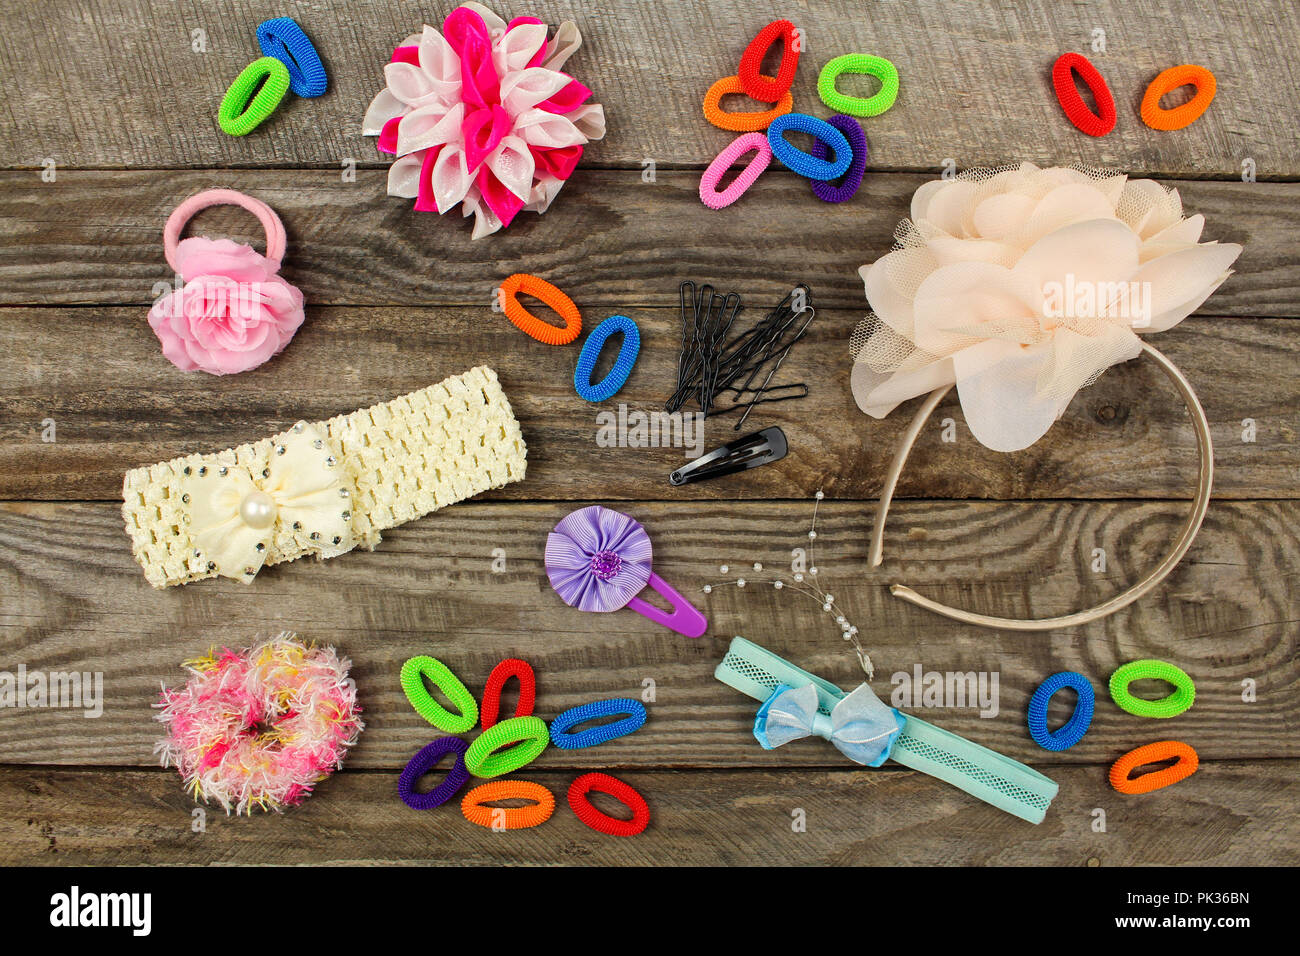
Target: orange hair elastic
point(510, 818)
point(530, 324)
point(1157, 779)
point(1168, 80)
point(744, 121)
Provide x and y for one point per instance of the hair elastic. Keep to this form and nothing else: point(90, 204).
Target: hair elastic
point(1187, 762)
point(876, 66)
point(1067, 94)
point(508, 668)
point(803, 163)
point(852, 130)
point(530, 324)
point(1182, 697)
point(412, 677)
point(767, 89)
point(524, 739)
point(594, 736)
point(245, 107)
point(608, 386)
point(282, 38)
point(1169, 80)
point(620, 791)
point(709, 193)
point(508, 818)
point(424, 761)
point(1072, 731)
point(744, 121)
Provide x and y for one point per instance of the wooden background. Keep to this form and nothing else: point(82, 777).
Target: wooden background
point(112, 92)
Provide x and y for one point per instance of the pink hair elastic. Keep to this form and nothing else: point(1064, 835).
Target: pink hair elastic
point(709, 194)
point(234, 311)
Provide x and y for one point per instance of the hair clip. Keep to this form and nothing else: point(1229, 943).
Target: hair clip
point(598, 559)
point(1017, 367)
point(234, 311)
point(798, 704)
point(324, 488)
point(752, 451)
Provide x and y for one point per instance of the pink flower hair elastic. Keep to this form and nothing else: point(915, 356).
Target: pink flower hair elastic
point(234, 311)
point(481, 115)
point(1019, 286)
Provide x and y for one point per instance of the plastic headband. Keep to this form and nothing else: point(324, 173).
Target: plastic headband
point(983, 773)
point(1162, 570)
point(323, 488)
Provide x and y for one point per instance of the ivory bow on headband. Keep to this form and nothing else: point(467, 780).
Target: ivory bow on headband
point(235, 514)
point(860, 726)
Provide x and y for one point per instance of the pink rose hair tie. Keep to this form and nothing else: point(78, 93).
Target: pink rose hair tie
point(234, 311)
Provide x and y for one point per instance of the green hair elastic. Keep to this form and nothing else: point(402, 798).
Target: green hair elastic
point(529, 736)
point(245, 107)
point(876, 66)
point(1184, 693)
point(413, 673)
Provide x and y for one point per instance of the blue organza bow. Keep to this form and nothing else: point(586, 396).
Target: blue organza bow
point(860, 726)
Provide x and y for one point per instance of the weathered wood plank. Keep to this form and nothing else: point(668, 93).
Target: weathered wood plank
point(75, 600)
point(1238, 813)
point(96, 238)
point(976, 82)
point(117, 403)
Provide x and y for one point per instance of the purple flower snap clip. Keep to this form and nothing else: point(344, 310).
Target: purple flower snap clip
point(598, 559)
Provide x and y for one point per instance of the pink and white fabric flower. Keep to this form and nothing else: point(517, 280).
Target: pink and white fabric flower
point(1021, 285)
point(481, 115)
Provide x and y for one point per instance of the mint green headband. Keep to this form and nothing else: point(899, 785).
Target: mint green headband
point(983, 773)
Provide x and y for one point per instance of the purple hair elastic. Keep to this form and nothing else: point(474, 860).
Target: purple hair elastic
point(426, 760)
point(852, 131)
point(598, 559)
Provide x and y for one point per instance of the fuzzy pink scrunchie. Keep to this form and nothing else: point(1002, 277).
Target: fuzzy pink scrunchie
point(234, 311)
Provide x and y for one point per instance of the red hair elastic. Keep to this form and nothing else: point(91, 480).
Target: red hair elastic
point(508, 668)
point(620, 791)
point(767, 89)
point(1067, 64)
point(530, 324)
point(1187, 762)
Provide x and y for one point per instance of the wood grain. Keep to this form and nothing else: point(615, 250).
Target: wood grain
point(976, 85)
point(76, 601)
point(116, 403)
point(1227, 814)
point(611, 240)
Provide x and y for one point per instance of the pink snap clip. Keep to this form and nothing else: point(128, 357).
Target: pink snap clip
point(709, 194)
point(234, 311)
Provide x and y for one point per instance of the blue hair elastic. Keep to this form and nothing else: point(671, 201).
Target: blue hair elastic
point(561, 737)
point(807, 166)
point(608, 386)
point(1072, 731)
point(282, 38)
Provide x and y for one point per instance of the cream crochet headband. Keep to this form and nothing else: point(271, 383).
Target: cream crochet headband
point(322, 488)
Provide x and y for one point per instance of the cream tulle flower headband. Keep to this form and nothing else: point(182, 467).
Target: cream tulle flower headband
point(1020, 286)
